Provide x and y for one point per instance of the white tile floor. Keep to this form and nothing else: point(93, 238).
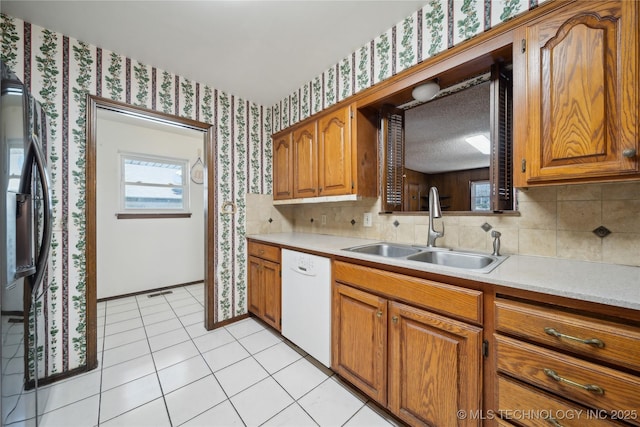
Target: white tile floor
point(160, 367)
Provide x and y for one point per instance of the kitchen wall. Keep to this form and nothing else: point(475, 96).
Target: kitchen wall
point(437, 26)
point(61, 71)
point(553, 221)
point(136, 255)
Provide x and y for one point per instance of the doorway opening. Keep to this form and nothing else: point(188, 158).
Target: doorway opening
point(99, 107)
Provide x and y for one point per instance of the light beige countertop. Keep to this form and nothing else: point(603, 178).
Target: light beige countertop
point(610, 284)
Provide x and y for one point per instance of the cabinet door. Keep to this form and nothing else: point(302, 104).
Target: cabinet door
point(283, 167)
point(305, 159)
point(434, 367)
point(359, 341)
point(576, 110)
point(272, 293)
point(334, 149)
point(254, 285)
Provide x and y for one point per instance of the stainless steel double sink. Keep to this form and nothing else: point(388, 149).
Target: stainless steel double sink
point(468, 261)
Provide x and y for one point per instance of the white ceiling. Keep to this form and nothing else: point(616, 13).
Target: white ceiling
point(257, 50)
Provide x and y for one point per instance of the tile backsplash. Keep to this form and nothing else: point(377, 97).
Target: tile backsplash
point(264, 218)
point(555, 221)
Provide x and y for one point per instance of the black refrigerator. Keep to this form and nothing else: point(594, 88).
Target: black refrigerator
point(25, 238)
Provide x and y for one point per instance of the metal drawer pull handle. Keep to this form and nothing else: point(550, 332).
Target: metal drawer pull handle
point(589, 387)
point(395, 320)
point(590, 341)
point(553, 421)
point(379, 314)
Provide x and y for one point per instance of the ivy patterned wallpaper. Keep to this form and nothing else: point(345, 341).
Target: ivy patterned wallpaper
point(437, 26)
point(60, 71)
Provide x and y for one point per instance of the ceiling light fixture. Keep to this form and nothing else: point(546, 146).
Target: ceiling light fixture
point(426, 91)
point(480, 143)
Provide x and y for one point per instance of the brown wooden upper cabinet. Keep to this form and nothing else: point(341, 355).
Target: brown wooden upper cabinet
point(576, 98)
point(283, 167)
point(305, 161)
point(332, 155)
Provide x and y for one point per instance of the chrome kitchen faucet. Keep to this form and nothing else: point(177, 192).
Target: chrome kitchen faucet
point(434, 212)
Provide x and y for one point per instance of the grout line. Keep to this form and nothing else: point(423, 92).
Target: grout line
point(123, 320)
point(134, 408)
point(151, 352)
point(329, 377)
point(354, 414)
point(212, 374)
point(117, 302)
point(155, 367)
point(125, 330)
point(127, 382)
point(295, 402)
point(132, 379)
point(104, 331)
point(280, 369)
point(119, 348)
point(210, 370)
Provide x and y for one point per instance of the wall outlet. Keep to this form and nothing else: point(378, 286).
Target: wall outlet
point(323, 220)
point(367, 221)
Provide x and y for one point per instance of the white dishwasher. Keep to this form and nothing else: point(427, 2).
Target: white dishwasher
point(306, 303)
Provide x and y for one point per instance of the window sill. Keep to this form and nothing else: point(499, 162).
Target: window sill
point(143, 215)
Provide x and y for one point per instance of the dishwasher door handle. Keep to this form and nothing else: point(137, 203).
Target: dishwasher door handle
point(303, 270)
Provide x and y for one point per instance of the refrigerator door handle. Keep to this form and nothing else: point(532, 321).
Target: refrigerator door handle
point(45, 181)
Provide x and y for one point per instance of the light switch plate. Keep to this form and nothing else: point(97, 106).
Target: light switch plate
point(367, 220)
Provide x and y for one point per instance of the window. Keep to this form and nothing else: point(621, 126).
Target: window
point(151, 184)
point(480, 196)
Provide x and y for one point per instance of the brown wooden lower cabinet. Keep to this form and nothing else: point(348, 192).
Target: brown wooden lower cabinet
point(255, 287)
point(571, 364)
point(590, 384)
point(434, 367)
point(422, 366)
point(360, 340)
point(264, 289)
point(415, 347)
point(272, 293)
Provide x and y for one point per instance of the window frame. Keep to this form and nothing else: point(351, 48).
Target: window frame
point(155, 212)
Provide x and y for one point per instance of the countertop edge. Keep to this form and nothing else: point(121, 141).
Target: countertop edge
point(574, 279)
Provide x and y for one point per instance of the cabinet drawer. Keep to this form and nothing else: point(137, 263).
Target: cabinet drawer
point(530, 407)
point(503, 423)
point(599, 339)
point(447, 299)
point(569, 377)
point(260, 250)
